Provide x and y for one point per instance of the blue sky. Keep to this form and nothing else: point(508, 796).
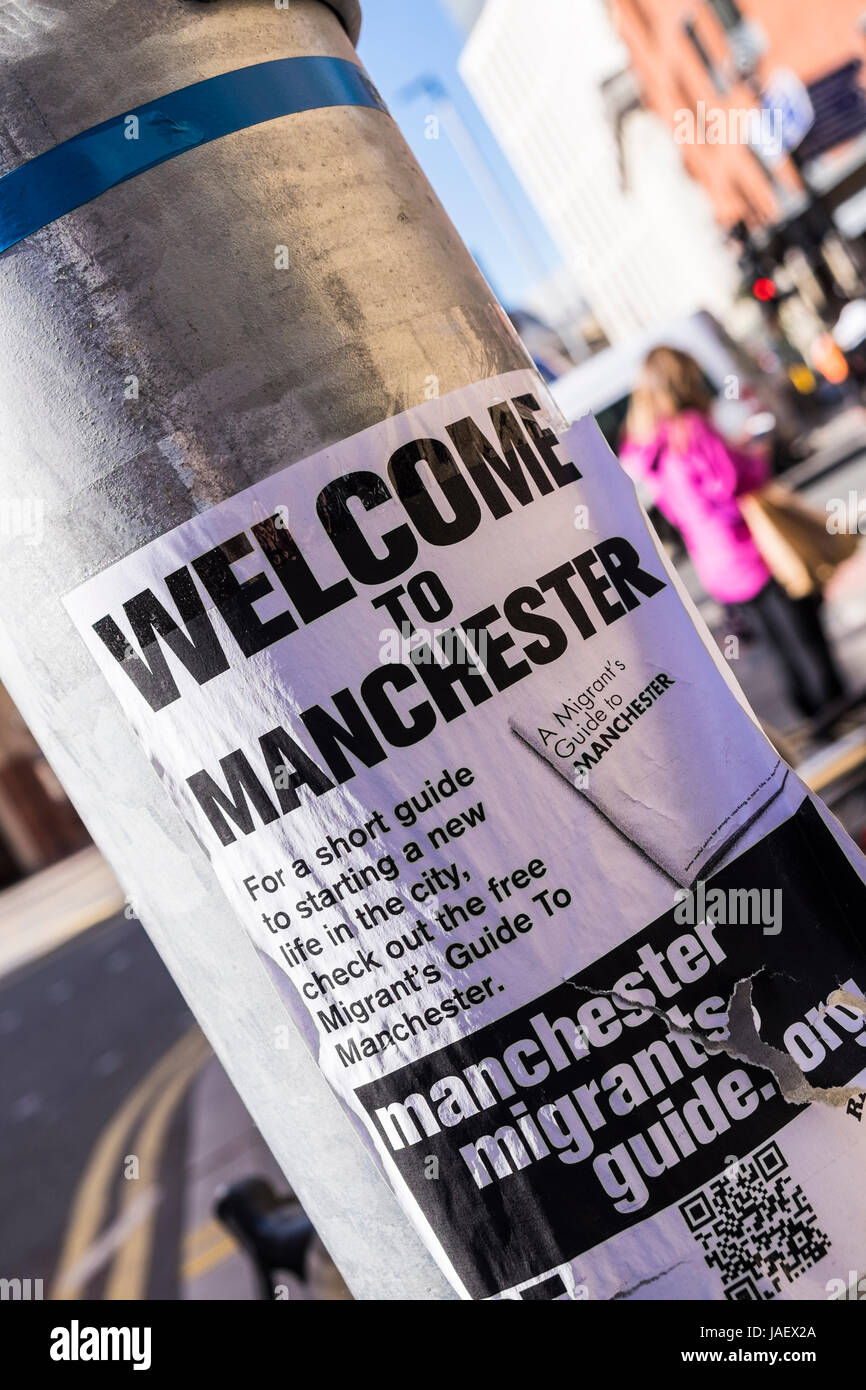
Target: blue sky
point(402, 41)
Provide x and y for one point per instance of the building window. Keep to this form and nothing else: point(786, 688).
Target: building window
point(697, 44)
point(727, 13)
point(685, 97)
point(641, 15)
point(747, 203)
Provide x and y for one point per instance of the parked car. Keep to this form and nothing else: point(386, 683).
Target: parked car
point(602, 385)
point(743, 410)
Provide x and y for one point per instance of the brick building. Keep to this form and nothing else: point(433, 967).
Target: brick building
point(686, 53)
point(38, 824)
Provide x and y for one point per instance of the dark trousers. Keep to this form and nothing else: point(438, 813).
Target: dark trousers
point(794, 630)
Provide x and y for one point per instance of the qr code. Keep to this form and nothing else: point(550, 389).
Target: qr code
point(756, 1226)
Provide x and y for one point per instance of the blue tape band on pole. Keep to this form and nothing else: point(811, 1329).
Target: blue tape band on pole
point(79, 169)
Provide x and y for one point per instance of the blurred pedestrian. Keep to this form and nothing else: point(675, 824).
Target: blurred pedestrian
point(695, 478)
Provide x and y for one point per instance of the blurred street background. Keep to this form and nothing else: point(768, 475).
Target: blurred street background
point(627, 174)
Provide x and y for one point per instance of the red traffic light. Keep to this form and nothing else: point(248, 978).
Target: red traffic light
point(764, 289)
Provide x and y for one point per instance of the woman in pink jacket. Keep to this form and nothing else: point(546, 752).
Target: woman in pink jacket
point(695, 477)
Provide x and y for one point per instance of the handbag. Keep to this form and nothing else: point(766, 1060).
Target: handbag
point(793, 540)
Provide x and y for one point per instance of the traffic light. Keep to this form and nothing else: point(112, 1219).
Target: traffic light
point(757, 266)
point(764, 289)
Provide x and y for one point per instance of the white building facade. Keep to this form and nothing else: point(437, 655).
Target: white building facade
point(636, 234)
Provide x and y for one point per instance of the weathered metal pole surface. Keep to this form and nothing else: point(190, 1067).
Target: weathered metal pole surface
point(157, 354)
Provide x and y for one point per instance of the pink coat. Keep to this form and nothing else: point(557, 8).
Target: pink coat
point(695, 477)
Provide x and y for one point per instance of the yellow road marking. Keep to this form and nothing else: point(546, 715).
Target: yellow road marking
point(129, 1272)
point(831, 772)
point(205, 1234)
point(208, 1245)
point(91, 1197)
point(220, 1250)
point(110, 1238)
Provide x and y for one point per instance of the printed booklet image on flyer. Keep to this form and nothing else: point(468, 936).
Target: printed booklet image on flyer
point(578, 953)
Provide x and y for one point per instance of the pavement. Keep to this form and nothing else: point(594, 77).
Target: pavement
point(836, 442)
point(51, 907)
point(118, 1127)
